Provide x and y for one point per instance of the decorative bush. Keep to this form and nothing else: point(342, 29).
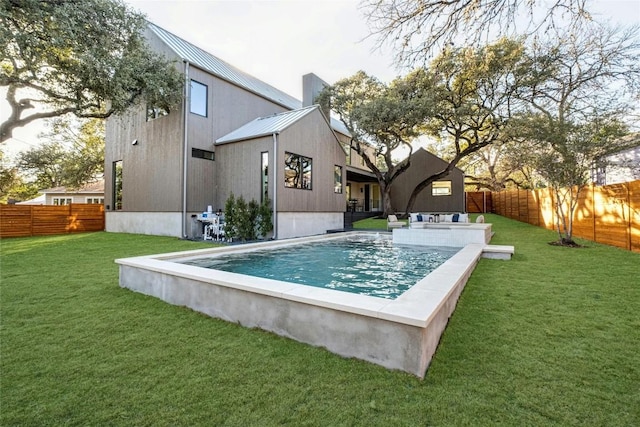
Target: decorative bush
point(247, 221)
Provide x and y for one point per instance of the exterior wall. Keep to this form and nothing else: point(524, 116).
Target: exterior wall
point(299, 212)
point(312, 137)
point(241, 174)
point(153, 168)
point(152, 223)
point(298, 224)
point(424, 164)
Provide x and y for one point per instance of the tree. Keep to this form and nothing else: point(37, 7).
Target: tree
point(381, 119)
point(473, 92)
point(12, 184)
point(72, 157)
point(87, 58)
point(587, 82)
point(419, 28)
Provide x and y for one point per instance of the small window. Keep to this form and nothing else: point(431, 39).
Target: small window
point(95, 200)
point(337, 179)
point(198, 98)
point(264, 180)
point(61, 201)
point(203, 154)
point(117, 185)
point(441, 188)
point(297, 171)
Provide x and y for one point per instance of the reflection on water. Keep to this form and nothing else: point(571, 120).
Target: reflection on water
point(368, 265)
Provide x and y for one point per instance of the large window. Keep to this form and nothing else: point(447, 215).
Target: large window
point(337, 179)
point(441, 188)
point(264, 173)
point(117, 185)
point(198, 98)
point(297, 171)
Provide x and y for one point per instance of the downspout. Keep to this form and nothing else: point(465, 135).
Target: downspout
point(185, 141)
point(275, 186)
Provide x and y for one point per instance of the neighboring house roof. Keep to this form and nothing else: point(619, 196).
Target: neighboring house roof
point(268, 125)
point(40, 200)
point(223, 70)
point(94, 187)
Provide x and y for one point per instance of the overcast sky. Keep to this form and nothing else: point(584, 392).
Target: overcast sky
point(279, 41)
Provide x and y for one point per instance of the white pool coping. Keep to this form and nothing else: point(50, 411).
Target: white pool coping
point(419, 314)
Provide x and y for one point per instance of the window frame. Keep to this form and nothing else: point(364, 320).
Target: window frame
point(436, 190)
point(337, 179)
point(65, 201)
point(199, 153)
point(302, 179)
point(198, 111)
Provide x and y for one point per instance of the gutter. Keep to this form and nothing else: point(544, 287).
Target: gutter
point(185, 140)
point(275, 186)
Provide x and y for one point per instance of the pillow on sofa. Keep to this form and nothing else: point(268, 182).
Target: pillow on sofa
point(463, 218)
point(447, 218)
point(414, 217)
point(419, 217)
point(455, 217)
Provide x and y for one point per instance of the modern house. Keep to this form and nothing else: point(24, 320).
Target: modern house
point(233, 134)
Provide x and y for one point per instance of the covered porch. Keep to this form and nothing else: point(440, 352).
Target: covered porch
point(363, 192)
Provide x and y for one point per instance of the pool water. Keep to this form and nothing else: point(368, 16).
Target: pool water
point(368, 265)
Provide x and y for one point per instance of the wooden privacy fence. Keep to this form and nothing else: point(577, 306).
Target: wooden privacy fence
point(41, 220)
point(608, 214)
point(479, 201)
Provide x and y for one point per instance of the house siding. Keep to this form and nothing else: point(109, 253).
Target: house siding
point(424, 164)
point(312, 137)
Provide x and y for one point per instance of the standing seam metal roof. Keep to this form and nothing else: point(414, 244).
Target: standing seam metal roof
point(225, 71)
point(268, 125)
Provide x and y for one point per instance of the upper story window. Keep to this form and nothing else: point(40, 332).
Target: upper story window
point(95, 200)
point(198, 98)
point(441, 188)
point(297, 171)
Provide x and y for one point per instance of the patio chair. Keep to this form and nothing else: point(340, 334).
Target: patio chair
point(392, 222)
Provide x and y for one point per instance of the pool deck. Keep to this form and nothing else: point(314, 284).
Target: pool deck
point(397, 334)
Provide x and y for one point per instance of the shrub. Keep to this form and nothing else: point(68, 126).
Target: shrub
point(247, 221)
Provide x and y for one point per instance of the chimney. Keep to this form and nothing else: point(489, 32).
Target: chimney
point(312, 85)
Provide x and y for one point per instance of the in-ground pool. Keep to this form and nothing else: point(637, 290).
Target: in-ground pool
point(364, 264)
point(401, 333)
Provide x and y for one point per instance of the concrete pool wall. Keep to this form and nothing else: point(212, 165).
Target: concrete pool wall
point(397, 334)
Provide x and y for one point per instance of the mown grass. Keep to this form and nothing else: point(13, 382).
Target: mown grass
point(548, 338)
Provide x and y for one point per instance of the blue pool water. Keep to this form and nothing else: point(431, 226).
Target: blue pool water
point(368, 265)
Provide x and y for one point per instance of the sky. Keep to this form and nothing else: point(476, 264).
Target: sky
point(278, 41)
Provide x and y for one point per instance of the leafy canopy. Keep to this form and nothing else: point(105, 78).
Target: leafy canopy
point(88, 58)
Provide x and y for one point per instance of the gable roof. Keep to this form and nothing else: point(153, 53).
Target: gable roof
point(263, 126)
point(208, 62)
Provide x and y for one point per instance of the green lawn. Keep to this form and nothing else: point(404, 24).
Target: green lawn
point(551, 337)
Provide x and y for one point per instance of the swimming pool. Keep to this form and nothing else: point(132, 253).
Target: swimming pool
point(401, 333)
point(363, 264)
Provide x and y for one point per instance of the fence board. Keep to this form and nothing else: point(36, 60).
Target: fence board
point(42, 220)
point(609, 214)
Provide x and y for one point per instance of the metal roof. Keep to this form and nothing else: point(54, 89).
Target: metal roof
point(223, 70)
point(268, 125)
